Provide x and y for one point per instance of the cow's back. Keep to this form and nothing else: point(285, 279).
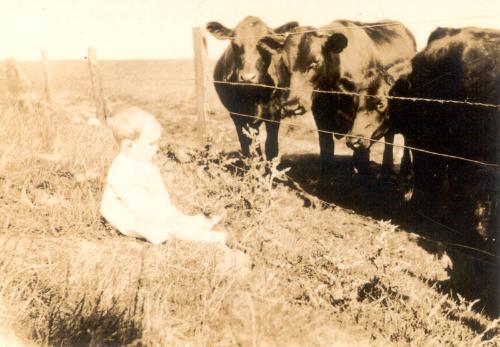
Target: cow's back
point(381, 44)
point(457, 64)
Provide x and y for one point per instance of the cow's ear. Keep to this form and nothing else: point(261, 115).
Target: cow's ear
point(335, 43)
point(272, 43)
point(287, 27)
point(219, 31)
point(400, 70)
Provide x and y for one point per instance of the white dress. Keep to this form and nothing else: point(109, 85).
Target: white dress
point(136, 203)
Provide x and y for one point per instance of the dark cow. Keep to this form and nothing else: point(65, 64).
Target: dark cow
point(372, 111)
point(244, 62)
point(457, 64)
point(336, 58)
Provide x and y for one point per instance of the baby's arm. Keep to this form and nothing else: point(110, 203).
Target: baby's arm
point(129, 206)
point(129, 223)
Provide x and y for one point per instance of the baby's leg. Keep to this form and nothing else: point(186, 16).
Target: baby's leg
point(196, 228)
point(209, 222)
point(197, 221)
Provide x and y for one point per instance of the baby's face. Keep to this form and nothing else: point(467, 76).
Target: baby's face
point(146, 146)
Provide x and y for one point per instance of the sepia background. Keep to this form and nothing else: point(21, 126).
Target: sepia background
point(350, 267)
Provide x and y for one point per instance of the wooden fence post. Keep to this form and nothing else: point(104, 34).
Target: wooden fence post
point(48, 89)
point(95, 77)
point(18, 86)
point(200, 72)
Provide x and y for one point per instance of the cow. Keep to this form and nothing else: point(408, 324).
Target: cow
point(457, 64)
point(372, 110)
point(335, 58)
point(246, 64)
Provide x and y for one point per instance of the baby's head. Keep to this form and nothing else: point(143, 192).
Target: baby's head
point(137, 132)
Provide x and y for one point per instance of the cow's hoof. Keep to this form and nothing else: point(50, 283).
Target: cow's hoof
point(407, 194)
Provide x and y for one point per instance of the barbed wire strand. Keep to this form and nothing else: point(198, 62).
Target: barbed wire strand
point(455, 244)
point(367, 25)
point(378, 141)
point(413, 99)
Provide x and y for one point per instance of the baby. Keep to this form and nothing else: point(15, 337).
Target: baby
point(135, 199)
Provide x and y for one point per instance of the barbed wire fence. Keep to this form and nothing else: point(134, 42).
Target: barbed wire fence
point(202, 106)
point(201, 66)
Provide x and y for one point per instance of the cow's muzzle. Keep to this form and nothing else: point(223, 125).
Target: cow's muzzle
point(357, 141)
point(248, 77)
point(293, 108)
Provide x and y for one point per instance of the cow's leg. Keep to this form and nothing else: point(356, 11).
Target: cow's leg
point(272, 130)
point(326, 147)
point(388, 157)
point(429, 173)
point(406, 175)
point(326, 150)
point(405, 167)
point(245, 141)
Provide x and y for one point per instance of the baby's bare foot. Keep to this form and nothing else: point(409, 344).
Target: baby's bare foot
point(217, 218)
point(219, 237)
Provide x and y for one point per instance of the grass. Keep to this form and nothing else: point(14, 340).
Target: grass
point(320, 275)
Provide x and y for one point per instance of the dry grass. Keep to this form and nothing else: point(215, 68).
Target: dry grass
point(320, 275)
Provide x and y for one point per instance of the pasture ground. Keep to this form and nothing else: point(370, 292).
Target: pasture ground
point(355, 272)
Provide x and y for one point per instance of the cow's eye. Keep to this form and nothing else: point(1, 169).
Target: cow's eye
point(313, 65)
point(237, 48)
point(380, 106)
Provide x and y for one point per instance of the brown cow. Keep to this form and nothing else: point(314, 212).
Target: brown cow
point(336, 58)
point(245, 62)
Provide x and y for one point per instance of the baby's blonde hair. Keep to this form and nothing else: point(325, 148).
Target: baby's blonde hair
point(128, 123)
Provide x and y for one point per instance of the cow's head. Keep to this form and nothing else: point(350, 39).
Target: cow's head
point(249, 62)
point(373, 116)
point(311, 58)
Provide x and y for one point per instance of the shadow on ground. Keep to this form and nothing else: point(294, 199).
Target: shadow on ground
point(476, 270)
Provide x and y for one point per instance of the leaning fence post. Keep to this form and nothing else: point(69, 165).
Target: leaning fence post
point(18, 86)
point(95, 77)
point(200, 72)
point(48, 89)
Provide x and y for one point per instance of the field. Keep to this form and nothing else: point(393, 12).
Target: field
point(348, 267)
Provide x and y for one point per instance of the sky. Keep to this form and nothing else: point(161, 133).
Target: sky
point(162, 29)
